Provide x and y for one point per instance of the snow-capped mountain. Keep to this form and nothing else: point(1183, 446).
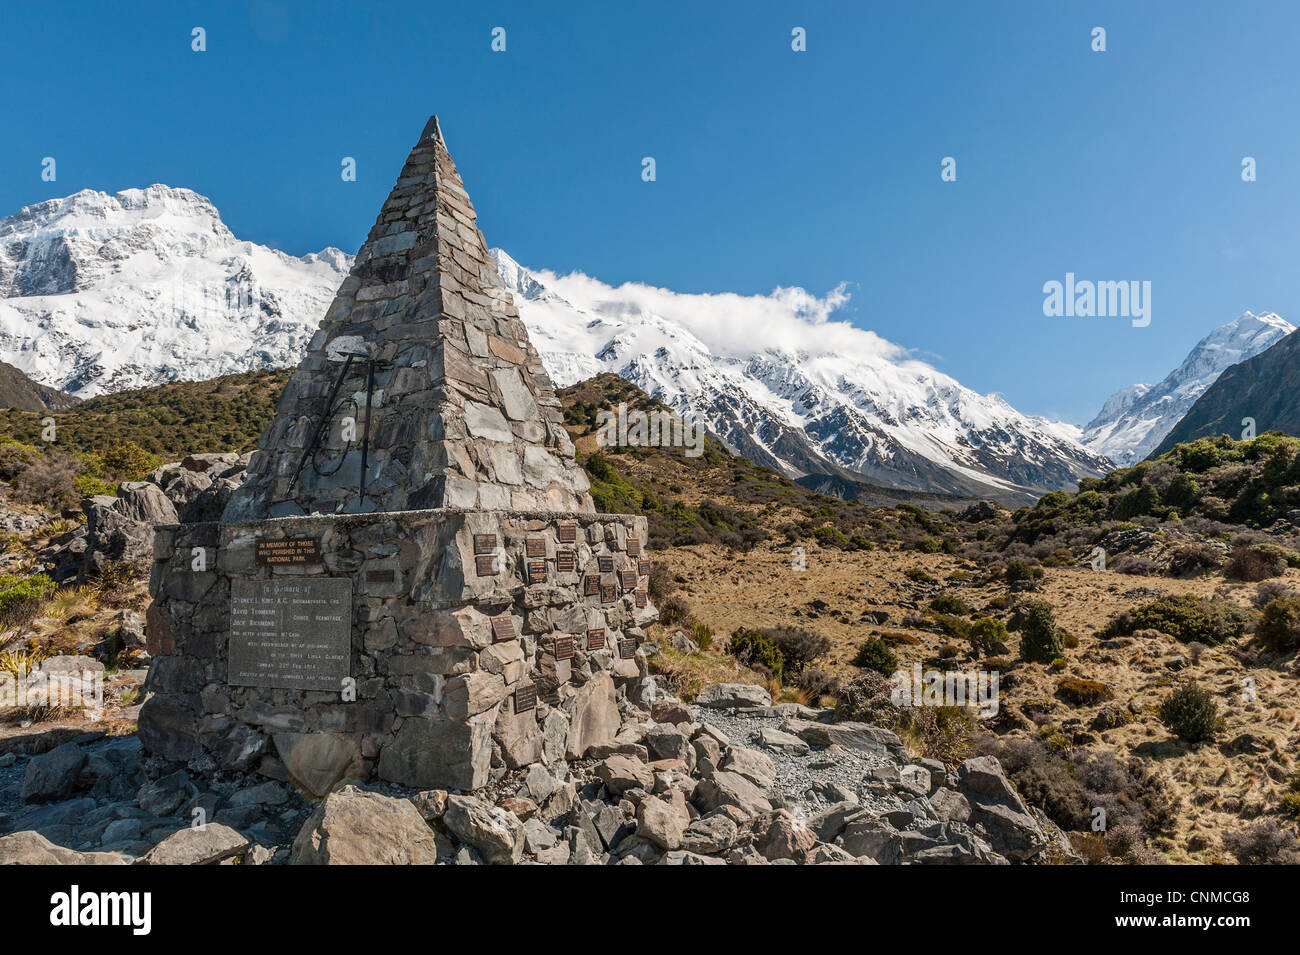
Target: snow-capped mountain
point(783, 384)
point(1134, 420)
point(103, 292)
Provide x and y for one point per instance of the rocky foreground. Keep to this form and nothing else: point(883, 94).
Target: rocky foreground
point(731, 779)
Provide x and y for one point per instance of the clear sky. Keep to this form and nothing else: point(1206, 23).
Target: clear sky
point(774, 168)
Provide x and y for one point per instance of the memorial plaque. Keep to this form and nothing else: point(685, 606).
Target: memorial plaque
point(536, 571)
point(567, 533)
point(485, 565)
point(634, 547)
point(535, 547)
point(290, 634)
point(566, 561)
point(380, 576)
point(485, 543)
point(627, 648)
point(291, 550)
point(503, 627)
point(641, 598)
point(608, 593)
point(526, 698)
point(606, 563)
point(563, 648)
point(643, 568)
point(590, 586)
point(628, 579)
point(596, 639)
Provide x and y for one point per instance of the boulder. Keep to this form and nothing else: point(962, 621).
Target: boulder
point(53, 775)
point(663, 821)
point(593, 716)
point(316, 762)
point(998, 810)
point(32, 848)
point(730, 696)
point(352, 826)
point(730, 789)
point(620, 773)
point(199, 845)
point(495, 833)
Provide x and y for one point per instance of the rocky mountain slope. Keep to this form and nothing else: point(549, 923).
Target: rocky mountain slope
point(1265, 388)
point(1135, 420)
point(103, 292)
point(20, 392)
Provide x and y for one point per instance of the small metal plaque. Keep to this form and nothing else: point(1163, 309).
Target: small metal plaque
point(566, 561)
point(485, 565)
point(627, 648)
point(567, 533)
point(633, 546)
point(536, 571)
point(503, 627)
point(535, 547)
point(641, 598)
point(380, 576)
point(563, 648)
point(606, 563)
point(608, 593)
point(485, 543)
point(526, 698)
point(596, 638)
point(293, 634)
point(643, 568)
point(590, 586)
point(290, 550)
point(627, 579)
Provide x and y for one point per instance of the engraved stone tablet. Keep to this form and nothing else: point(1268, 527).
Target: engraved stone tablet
point(566, 561)
point(536, 571)
point(563, 648)
point(608, 593)
point(485, 565)
point(628, 579)
point(292, 634)
point(627, 648)
point(567, 533)
point(291, 550)
point(596, 639)
point(535, 547)
point(503, 627)
point(485, 543)
point(590, 586)
point(526, 698)
point(633, 546)
point(606, 563)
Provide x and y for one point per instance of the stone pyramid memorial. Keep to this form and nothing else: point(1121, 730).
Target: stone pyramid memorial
point(413, 583)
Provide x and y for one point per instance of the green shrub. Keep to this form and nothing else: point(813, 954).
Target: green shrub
point(1279, 624)
point(1021, 572)
point(874, 655)
point(702, 634)
point(1040, 640)
point(799, 646)
point(1185, 618)
point(948, 603)
point(1083, 692)
point(753, 649)
point(920, 576)
point(1191, 714)
point(1256, 562)
point(19, 594)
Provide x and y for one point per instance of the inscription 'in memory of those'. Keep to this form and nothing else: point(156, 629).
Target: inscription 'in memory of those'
point(290, 634)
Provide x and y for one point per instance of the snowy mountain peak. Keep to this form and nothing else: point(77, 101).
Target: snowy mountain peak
point(1134, 420)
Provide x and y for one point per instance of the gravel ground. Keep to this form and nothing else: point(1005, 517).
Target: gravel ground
point(802, 781)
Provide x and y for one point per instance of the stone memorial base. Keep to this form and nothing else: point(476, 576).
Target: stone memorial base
point(420, 647)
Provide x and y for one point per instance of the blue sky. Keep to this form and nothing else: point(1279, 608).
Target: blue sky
point(775, 168)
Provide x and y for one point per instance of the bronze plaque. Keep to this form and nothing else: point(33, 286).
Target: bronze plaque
point(485, 565)
point(608, 593)
point(563, 648)
point(380, 576)
point(590, 586)
point(485, 543)
point(628, 579)
point(291, 550)
point(503, 627)
point(606, 563)
point(627, 648)
point(567, 533)
point(526, 698)
point(640, 598)
point(291, 634)
point(633, 546)
point(643, 568)
point(566, 561)
point(536, 571)
point(596, 639)
point(535, 547)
